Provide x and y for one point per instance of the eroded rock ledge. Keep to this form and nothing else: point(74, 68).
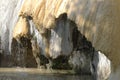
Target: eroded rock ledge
point(60, 47)
point(59, 42)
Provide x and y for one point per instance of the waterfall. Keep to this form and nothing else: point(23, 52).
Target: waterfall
point(9, 10)
point(97, 20)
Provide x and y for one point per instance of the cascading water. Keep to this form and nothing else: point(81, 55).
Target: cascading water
point(95, 20)
point(9, 15)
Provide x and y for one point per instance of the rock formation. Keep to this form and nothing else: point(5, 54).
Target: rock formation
point(40, 59)
point(94, 18)
point(36, 51)
point(99, 67)
point(21, 28)
point(98, 20)
point(89, 25)
point(0, 46)
point(0, 51)
point(21, 45)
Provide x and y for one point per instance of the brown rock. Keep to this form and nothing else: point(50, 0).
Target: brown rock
point(21, 28)
point(98, 20)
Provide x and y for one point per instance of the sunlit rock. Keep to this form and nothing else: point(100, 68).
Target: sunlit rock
point(21, 31)
point(98, 20)
point(21, 49)
point(57, 41)
point(61, 37)
point(21, 28)
point(95, 19)
point(9, 11)
point(101, 66)
point(51, 24)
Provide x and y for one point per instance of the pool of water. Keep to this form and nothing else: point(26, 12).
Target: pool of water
point(42, 74)
point(37, 74)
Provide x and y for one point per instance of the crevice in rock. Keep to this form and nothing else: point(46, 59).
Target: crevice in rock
point(83, 51)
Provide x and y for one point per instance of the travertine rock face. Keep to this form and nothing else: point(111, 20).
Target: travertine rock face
point(0, 51)
point(0, 46)
point(21, 53)
point(99, 67)
point(21, 45)
point(102, 66)
point(9, 15)
point(61, 37)
point(98, 20)
point(22, 28)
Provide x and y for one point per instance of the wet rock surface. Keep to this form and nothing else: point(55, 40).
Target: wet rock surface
point(66, 34)
point(0, 52)
point(22, 53)
point(98, 20)
point(60, 43)
point(95, 19)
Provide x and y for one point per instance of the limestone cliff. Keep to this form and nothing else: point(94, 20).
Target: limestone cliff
point(98, 20)
point(21, 28)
